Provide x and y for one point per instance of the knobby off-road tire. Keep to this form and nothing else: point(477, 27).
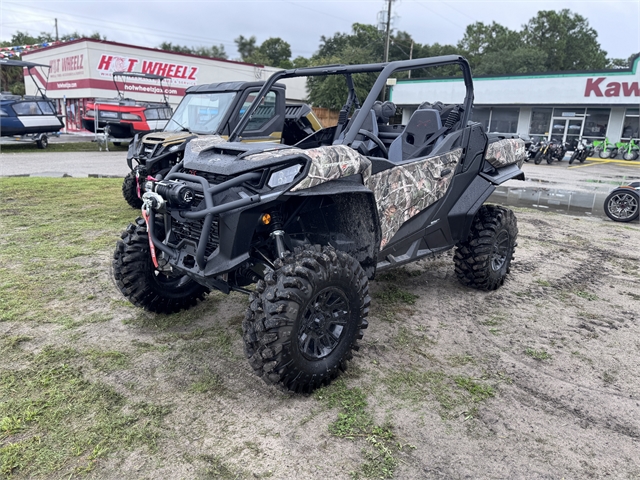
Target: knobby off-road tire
point(484, 259)
point(306, 317)
point(142, 284)
point(622, 205)
point(630, 155)
point(130, 190)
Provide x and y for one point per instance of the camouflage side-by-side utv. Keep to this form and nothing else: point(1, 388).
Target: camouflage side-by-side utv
point(215, 109)
point(303, 229)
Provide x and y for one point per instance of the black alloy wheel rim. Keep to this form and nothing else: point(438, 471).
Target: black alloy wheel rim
point(323, 324)
point(500, 251)
point(623, 206)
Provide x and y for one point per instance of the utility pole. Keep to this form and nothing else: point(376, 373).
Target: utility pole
point(386, 48)
point(56, 29)
point(411, 55)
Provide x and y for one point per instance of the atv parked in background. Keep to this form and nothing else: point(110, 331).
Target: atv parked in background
point(215, 109)
point(308, 226)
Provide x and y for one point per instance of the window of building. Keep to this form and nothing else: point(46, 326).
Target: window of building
point(482, 116)
point(540, 121)
point(631, 126)
point(596, 123)
point(497, 119)
point(504, 120)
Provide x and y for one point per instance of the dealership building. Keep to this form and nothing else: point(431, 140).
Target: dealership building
point(82, 70)
point(561, 106)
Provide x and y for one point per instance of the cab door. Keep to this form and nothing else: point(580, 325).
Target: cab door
point(267, 122)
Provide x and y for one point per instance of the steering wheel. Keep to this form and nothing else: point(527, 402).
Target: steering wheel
point(376, 140)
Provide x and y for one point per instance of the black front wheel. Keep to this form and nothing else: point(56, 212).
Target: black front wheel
point(146, 286)
point(574, 156)
point(484, 259)
point(130, 190)
point(632, 155)
point(306, 317)
point(622, 205)
point(537, 158)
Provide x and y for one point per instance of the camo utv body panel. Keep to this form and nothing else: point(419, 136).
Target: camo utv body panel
point(199, 144)
point(506, 152)
point(404, 191)
point(333, 162)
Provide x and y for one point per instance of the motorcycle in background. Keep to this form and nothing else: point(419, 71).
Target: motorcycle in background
point(629, 150)
point(605, 149)
point(550, 151)
point(583, 150)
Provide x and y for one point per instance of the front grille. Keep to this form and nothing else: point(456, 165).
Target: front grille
point(190, 230)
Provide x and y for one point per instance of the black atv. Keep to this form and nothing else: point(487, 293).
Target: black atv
point(215, 109)
point(310, 225)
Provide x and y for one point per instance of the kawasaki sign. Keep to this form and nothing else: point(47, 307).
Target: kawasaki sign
point(598, 88)
point(608, 87)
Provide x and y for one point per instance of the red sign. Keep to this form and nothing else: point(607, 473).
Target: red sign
point(611, 89)
point(113, 63)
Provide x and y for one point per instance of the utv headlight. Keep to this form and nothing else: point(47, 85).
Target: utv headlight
point(284, 176)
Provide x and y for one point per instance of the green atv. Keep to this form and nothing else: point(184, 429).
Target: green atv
point(301, 230)
point(215, 109)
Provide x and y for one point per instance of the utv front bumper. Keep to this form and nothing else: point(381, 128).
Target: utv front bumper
point(208, 238)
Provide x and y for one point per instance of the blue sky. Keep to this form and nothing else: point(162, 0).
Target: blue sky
point(302, 22)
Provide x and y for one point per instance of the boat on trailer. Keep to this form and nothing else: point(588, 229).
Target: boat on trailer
point(28, 117)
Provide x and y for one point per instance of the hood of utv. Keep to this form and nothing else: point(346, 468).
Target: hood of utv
point(213, 154)
point(166, 138)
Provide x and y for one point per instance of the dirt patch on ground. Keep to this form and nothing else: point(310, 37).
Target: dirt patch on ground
point(538, 379)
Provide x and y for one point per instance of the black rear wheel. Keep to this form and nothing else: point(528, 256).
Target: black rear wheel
point(146, 286)
point(306, 317)
point(484, 259)
point(622, 205)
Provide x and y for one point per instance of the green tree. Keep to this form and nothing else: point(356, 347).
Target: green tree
point(246, 46)
point(214, 51)
point(567, 40)
point(273, 52)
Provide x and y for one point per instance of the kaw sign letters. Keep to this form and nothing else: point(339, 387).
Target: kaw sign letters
point(600, 87)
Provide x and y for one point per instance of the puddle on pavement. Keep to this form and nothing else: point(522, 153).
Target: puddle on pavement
point(554, 200)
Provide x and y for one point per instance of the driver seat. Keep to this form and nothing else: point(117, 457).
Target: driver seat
point(362, 144)
point(421, 126)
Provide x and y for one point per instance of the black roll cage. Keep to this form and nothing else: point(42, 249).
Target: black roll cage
point(386, 69)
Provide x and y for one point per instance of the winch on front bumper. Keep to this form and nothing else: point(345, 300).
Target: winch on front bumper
point(183, 212)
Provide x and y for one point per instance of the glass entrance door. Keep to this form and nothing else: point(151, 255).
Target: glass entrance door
point(566, 130)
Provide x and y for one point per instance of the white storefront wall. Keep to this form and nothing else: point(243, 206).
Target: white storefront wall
point(617, 90)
